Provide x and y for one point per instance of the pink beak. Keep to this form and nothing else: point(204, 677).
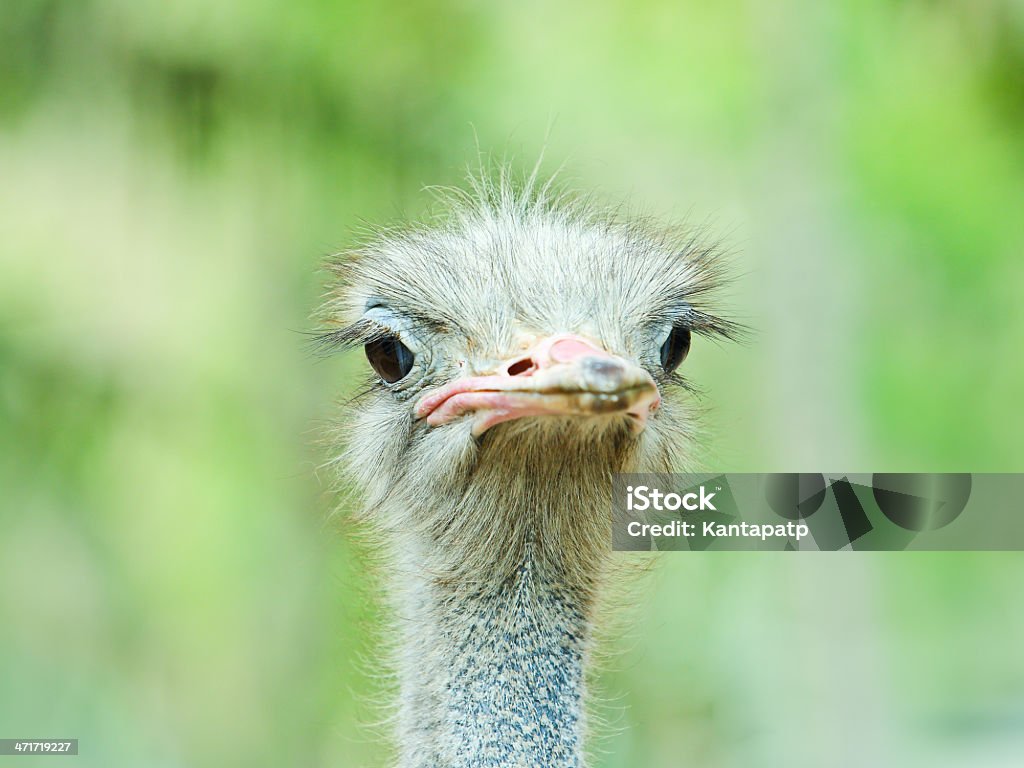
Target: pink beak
point(563, 375)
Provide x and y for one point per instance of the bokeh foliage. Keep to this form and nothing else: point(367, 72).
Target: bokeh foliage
point(172, 590)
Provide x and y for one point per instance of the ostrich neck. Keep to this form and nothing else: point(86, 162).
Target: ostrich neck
point(494, 677)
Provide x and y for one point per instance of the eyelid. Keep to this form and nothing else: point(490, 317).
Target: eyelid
point(379, 314)
point(662, 333)
point(392, 323)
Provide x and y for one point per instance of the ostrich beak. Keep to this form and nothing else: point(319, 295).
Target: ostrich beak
point(563, 375)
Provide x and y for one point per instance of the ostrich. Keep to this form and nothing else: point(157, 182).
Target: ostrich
point(524, 348)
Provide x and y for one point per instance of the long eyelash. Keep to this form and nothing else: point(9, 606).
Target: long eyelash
point(676, 380)
point(361, 332)
point(710, 325)
point(369, 385)
point(364, 331)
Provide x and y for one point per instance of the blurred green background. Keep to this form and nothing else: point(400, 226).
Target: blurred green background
point(172, 590)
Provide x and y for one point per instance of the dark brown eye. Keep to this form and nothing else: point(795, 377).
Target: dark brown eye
point(390, 358)
point(675, 348)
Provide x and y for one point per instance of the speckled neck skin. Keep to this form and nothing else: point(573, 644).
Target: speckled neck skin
point(498, 679)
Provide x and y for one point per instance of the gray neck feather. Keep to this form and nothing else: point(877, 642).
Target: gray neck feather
point(497, 565)
point(494, 678)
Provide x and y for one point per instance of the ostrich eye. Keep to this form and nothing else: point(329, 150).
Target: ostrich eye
point(675, 348)
point(390, 358)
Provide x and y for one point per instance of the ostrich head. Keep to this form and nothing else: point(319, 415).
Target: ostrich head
point(522, 350)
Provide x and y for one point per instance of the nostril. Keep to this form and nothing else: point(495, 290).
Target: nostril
point(521, 367)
